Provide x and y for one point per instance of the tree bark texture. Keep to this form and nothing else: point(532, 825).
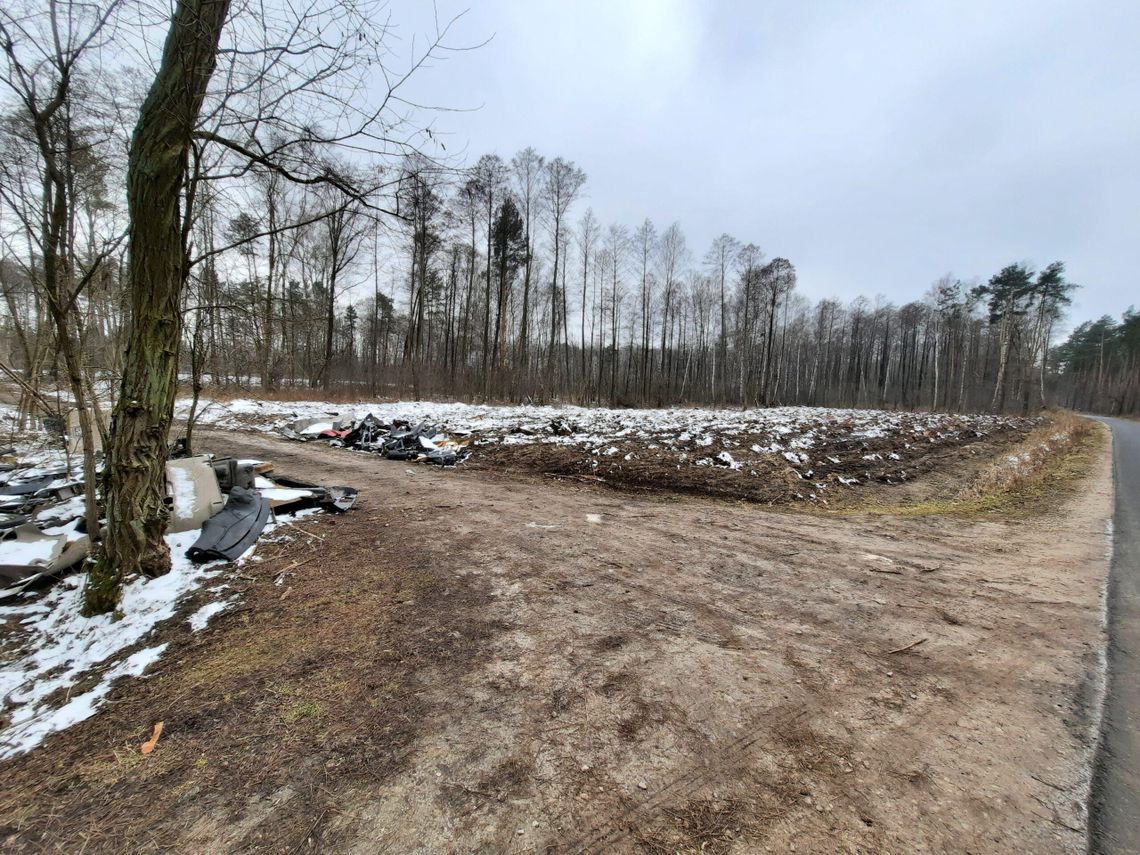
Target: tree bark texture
point(158, 266)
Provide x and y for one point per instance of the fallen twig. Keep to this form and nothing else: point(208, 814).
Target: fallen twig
point(471, 790)
point(302, 530)
point(295, 565)
point(1047, 783)
point(907, 647)
point(1056, 818)
point(949, 618)
point(308, 834)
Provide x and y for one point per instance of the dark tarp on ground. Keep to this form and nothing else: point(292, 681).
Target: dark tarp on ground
point(230, 533)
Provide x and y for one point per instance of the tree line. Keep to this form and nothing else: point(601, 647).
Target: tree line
point(495, 282)
point(1098, 366)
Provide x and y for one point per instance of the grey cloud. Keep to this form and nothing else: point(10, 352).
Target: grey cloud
point(877, 145)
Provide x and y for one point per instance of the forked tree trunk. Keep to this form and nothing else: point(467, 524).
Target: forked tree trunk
point(156, 175)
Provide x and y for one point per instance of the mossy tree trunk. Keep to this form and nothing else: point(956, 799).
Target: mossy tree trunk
point(159, 208)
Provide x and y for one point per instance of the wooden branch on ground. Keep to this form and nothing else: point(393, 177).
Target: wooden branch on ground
point(907, 647)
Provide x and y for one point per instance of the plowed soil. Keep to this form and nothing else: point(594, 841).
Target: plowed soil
point(864, 464)
point(474, 662)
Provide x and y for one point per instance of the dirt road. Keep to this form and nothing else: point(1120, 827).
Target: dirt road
point(477, 664)
point(1116, 795)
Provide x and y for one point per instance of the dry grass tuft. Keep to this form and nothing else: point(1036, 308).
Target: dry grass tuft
point(699, 826)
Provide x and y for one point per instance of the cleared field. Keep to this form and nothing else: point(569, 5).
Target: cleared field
point(785, 454)
point(475, 662)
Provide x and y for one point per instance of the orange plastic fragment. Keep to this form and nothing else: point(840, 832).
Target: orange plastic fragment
point(148, 746)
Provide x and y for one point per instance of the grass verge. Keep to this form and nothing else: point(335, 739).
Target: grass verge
point(1024, 480)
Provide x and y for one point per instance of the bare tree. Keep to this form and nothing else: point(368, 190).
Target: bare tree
point(588, 230)
point(343, 231)
point(287, 94)
point(777, 278)
point(672, 256)
point(562, 182)
point(159, 263)
point(617, 246)
point(748, 259)
point(719, 259)
point(44, 53)
point(645, 243)
point(489, 176)
point(527, 168)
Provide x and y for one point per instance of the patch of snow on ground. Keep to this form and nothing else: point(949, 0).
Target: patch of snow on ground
point(200, 618)
point(62, 647)
point(725, 459)
point(32, 730)
point(298, 515)
point(784, 435)
point(682, 424)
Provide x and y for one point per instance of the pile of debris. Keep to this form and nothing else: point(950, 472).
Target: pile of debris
point(231, 526)
point(398, 440)
point(43, 526)
point(41, 517)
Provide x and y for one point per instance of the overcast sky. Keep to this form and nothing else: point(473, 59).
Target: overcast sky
point(877, 145)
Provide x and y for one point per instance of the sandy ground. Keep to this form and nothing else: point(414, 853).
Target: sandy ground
point(474, 663)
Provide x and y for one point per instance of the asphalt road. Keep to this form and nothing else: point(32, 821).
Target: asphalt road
point(1114, 826)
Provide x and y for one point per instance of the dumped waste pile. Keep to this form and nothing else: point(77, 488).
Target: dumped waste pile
point(395, 440)
point(195, 486)
point(770, 455)
point(43, 524)
point(41, 516)
point(58, 666)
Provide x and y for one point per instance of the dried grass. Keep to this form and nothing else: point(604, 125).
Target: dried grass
point(1024, 465)
point(1024, 479)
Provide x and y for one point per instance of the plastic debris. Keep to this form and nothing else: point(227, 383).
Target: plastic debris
point(43, 520)
point(148, 746)
point(397, 440)
point(231, 532)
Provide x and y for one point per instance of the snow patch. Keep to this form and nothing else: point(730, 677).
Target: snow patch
point(62, 647)
point(201, 618)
